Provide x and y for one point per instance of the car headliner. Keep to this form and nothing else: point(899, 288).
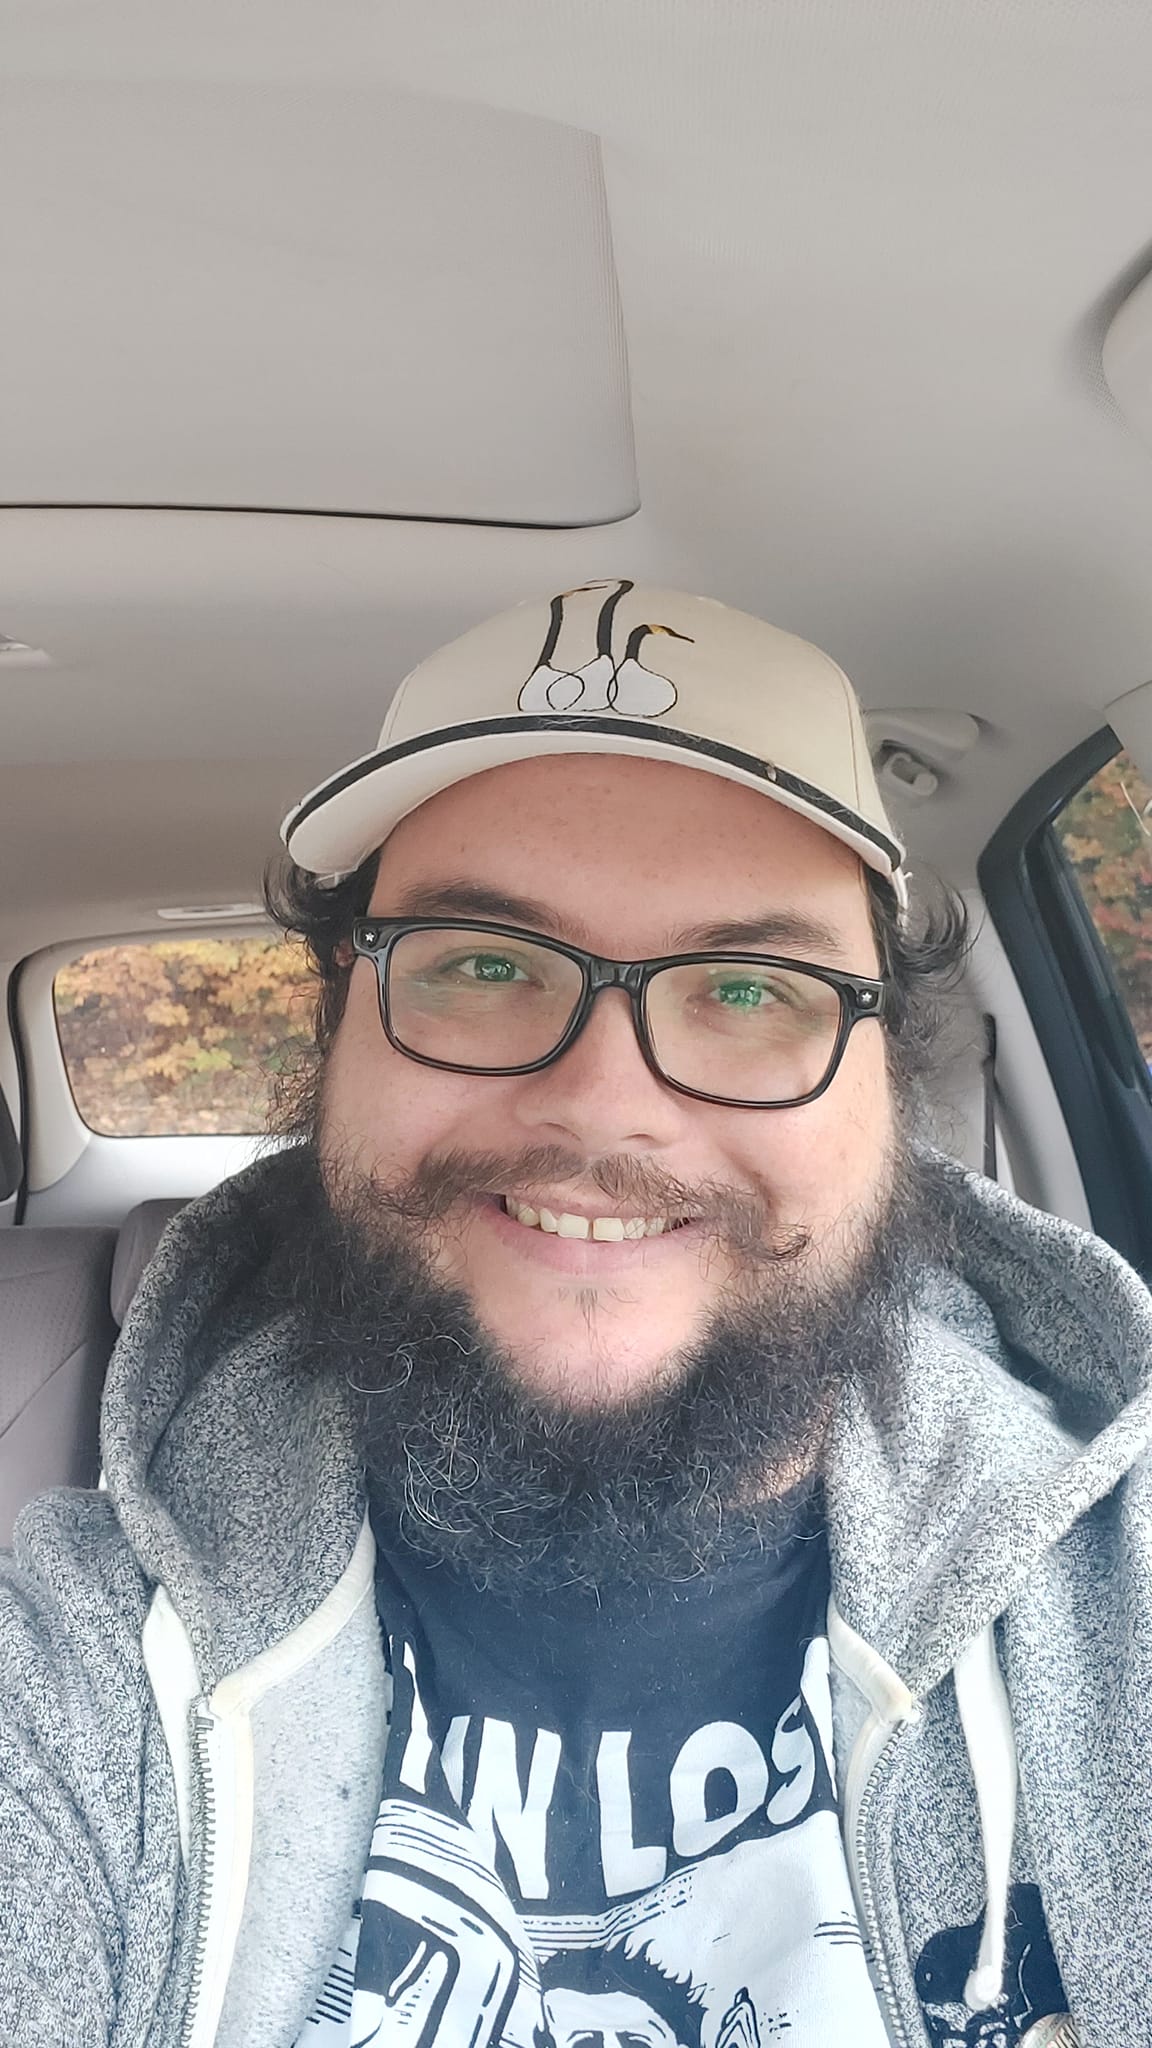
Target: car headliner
point(314, 352)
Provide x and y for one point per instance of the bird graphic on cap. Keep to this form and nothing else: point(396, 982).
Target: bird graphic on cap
point(602, 683)
point(637, 690)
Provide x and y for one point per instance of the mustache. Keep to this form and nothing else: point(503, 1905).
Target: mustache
point(734, 1220)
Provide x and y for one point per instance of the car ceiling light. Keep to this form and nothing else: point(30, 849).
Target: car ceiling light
point(209, 913)
point(19, 654)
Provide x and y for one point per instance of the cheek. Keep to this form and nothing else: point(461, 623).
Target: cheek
point(374, 1099)
point(816, 1161)
point(384, 1110)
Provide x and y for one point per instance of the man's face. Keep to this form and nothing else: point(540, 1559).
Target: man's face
point(612, 2019)
point(628, 858)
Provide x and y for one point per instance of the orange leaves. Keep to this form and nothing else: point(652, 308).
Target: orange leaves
point(1106, 833)
point(182, 1035)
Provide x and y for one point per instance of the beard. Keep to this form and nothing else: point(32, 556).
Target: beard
point(522, 1492)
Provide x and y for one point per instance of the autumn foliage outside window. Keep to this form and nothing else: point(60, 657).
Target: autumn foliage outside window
point(1106, 833)
point(182, 1036)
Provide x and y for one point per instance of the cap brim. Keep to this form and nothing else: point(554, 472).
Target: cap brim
point(347, 817)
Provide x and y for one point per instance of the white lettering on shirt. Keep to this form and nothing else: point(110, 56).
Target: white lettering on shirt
point(718, 1746)
point(452, 1755)
point(626, 1868)
point(418, 1748)
point(521, 1818)
point(792, 1751)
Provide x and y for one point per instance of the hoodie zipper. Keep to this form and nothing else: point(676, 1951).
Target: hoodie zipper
point(873, 1751)
point(203, 1722)
point(220, 1750)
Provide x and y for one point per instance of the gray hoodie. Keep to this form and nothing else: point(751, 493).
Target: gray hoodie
point(194, 1705)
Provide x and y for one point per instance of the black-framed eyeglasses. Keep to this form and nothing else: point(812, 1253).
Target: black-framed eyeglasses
point(752, 1030)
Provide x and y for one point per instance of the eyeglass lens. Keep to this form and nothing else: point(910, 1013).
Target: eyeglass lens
point(739, 1028)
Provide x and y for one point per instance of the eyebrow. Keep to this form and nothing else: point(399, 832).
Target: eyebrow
point(773, 928)
point(788, 928)
point(473, 899)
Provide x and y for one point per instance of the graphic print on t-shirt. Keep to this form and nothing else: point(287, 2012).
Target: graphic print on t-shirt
point(1032, 1987)
point(746, 1936)
point(559, 1878)
point(457, 1945)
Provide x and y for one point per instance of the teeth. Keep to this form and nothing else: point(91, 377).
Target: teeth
point(605, 1229)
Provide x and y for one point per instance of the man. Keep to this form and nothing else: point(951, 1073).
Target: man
point(749, 1635)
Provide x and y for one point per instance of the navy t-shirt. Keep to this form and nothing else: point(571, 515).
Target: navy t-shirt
point(614, 1824)
point(607, 1823)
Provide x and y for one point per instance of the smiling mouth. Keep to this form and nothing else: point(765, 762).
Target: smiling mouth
point(604, 1229)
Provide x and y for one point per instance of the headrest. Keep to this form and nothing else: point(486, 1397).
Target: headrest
point(11, 1163)
point(140, 1234)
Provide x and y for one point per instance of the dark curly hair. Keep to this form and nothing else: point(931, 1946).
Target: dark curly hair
point(598, 1973)
point(922, 955)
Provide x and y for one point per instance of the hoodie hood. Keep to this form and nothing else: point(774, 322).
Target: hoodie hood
point(1025, 1400)
point(235, 1480)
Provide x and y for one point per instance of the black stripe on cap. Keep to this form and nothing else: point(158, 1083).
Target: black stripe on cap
point(636, 728)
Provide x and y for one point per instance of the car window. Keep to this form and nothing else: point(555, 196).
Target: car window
point(1105, 831)
point(179, 1036)
point(1067, 878)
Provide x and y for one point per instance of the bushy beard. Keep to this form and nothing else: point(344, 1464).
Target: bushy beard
point(517, 1490)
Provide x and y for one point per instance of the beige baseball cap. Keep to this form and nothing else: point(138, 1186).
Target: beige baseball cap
point(613, 667)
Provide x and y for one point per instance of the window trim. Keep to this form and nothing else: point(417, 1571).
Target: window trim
point(55, 1134)
point(19, 1195)
point(1077, 1010)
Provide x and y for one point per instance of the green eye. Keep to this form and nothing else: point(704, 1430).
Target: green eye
point(489, 967)
point(744, 994)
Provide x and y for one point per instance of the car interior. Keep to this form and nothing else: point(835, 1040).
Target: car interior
point(329, 331)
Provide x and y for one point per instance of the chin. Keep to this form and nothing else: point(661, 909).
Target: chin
point(572, 1379)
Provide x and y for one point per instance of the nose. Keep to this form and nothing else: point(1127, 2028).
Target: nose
point(601, 1094)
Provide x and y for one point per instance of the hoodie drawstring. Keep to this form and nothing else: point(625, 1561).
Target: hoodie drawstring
point(986, 1719)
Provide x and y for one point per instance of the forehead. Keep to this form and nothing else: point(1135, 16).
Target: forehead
point(624, 850)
